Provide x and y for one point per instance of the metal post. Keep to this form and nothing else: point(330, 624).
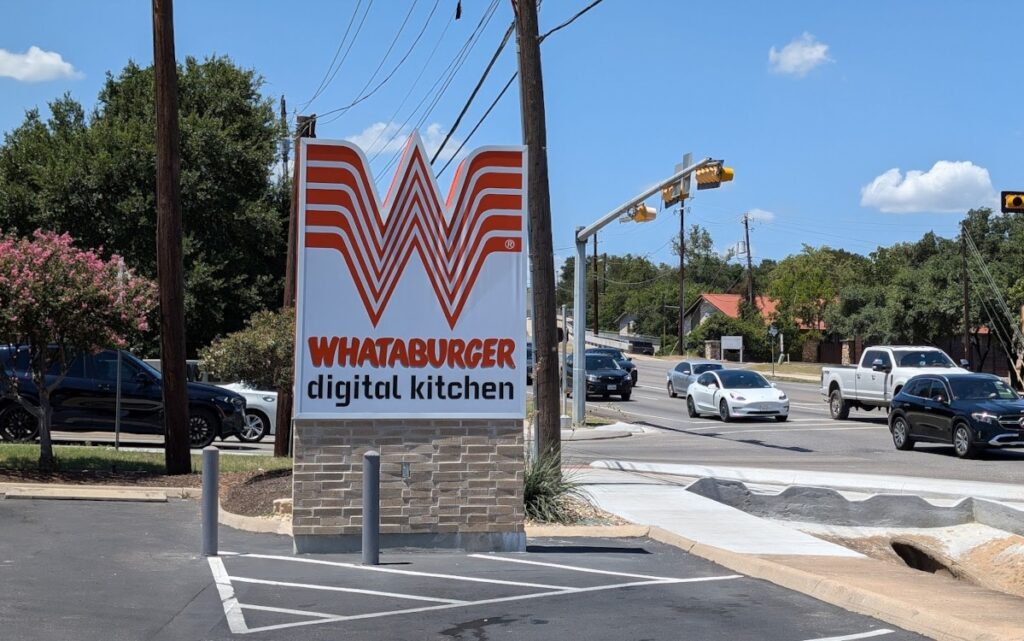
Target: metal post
point(579, 336)
point(211, 474)
point(371, 508)
point(565, 372)
point(117, 406)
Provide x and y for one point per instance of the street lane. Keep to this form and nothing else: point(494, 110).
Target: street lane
point(810, 440)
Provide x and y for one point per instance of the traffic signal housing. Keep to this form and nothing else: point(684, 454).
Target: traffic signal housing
point(644, 213)
point(712, 176)
point(1013, 202)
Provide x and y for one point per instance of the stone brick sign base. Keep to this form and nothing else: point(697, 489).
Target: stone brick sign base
point(462, 486)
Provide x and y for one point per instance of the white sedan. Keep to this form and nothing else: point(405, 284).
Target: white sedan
point(260, 412)
point(734, 393)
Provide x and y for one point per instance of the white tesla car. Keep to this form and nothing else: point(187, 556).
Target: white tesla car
point(260, 412)
point(735, 393)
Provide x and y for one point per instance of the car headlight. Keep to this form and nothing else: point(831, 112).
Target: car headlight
point(736, 397)
point(782, 396)
point(592, 377)
point(234, 401)
point(985, 417)
point(269, 399)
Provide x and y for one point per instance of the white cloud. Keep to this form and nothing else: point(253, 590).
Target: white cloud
point(390, 137)
point(761, 215)
point(799, 56)
point(35, 65)
point(948, 186)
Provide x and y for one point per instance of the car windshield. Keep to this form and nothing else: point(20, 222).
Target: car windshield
point(613, 353)
point(700, 368)
point(154, 372)
point(599, 361)
point(922, 358)
point(739, 379)
point(975, 389)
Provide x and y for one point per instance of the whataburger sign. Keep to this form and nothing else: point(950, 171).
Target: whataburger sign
point(410, 307)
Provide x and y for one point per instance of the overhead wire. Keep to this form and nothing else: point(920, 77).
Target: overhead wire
point(324, 81)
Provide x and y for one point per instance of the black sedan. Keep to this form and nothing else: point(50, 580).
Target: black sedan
point(621, 360)
point(971, 412)
point(604, 377)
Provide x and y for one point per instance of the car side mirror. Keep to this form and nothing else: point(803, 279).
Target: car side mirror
point(713, 386)
point(774, 384)
point(964, 363)
point(877, 365)
point(941, 399)
point(143, 378)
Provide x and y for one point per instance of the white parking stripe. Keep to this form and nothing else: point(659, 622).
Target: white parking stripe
point(433, 575)
point(304, 613)
point(523, 597)
point(862, 635)
point(809, 429)
point(493, 557)
point(334, 588)
point(232, 612)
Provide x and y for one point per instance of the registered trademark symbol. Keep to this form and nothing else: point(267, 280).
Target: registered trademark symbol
point(510, 244)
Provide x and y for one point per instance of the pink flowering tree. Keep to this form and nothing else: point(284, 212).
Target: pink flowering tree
point(56, 301)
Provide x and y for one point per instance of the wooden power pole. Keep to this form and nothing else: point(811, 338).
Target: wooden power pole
point(750, 266)
point(305, 127)
point(169, 271)
point(542, 267)
point(967, 298)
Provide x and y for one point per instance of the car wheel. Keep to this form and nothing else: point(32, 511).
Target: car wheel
point(202, 428)
point(723, 411)
point(691, 409)
point(257, 425)
point(901, 434)
point(672, 390)
point(962, 444)
point(17, 425)
point(837, 406)
point(782, 418)
point(625, 395)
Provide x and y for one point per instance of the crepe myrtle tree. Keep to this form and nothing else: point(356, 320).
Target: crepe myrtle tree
point(56, 301)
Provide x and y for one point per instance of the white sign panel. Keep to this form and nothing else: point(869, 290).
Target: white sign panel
point(732, 342)
point(411, 306)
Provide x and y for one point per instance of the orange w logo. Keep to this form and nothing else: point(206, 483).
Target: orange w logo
point(483, 215)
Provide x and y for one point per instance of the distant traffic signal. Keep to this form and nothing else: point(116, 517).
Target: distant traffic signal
point(644, 213)
point(712, 176)
point(1013, 202)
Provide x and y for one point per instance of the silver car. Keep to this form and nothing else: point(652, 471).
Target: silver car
point(686, 372)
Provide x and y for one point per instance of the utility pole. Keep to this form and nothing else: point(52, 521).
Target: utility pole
point(169, 271)
point(966, 285)
point(684, 192)
point(285, 143)
point(597, 322)
point(750, 267)
point(305, 127)
point(542, 267)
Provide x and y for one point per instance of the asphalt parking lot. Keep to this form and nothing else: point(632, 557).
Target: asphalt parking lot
point(94, 571)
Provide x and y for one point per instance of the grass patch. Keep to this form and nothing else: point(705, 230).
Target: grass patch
point(548, 492)
point(76, 458)
point(802, 369)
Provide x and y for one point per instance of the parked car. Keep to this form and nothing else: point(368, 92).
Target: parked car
point(604, 377)
point(260, 411)
point(84, 401)
point(641, 347)
point(734, 393)
point(683, 374)
point(971, 412)
point(620, 359)
point(881, 374)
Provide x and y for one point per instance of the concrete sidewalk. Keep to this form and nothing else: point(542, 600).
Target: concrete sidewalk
point(934, 605)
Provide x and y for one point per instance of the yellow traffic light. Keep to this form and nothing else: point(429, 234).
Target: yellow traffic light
point(712, 176)
point(644, 213)
point(1013, 202)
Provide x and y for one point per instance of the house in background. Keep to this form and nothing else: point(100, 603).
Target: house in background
point(626, 323)
point(729, 304)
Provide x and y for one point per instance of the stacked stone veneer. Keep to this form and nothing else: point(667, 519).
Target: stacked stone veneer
point(464, 487)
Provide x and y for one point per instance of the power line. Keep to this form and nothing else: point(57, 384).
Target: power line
point(570, 20)
point(479, 122)
point(324, 81)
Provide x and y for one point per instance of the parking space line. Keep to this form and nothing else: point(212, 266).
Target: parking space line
point(335, 588)
point(492, 557)
point(809, 429)
point(232, 611)
point(862, 635)
point(433, 575)
point(523, 597)
point(305, 613)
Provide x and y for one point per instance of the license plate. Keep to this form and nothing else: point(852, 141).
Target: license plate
point(611, 387)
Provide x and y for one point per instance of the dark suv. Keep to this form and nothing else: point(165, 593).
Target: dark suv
point(85, 400)
point(620, 359)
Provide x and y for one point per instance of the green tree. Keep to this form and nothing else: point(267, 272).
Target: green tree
point(93, 175)
point(260, 355)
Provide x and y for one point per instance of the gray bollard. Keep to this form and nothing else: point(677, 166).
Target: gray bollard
point(211, 472)
point(371, 508)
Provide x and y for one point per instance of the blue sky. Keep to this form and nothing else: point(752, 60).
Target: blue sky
point(810, 102)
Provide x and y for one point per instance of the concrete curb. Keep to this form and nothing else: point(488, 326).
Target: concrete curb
point(46, 491)
point(934, 623)
point(593, 434)
point(596, 531)
point(257, 524)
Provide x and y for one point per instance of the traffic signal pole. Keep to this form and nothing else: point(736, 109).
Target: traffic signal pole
point(579, 302)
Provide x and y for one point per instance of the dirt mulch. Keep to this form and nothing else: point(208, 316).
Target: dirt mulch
point(582, 512)
point(91, 477)
point(253, 493)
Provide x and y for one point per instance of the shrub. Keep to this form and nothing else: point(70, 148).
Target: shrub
point(260, 355)
point(548, 489)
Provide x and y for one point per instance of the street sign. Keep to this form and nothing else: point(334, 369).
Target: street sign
point(773, 331)
point(414, 306)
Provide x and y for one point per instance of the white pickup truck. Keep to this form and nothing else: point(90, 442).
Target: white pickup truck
point(881, 374)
